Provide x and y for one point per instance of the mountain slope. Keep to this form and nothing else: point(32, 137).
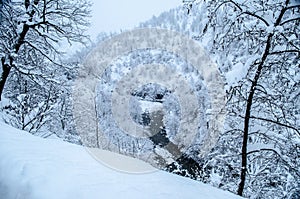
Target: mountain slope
point(32, 167)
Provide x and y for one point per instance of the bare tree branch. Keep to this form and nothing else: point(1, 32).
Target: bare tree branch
point(276, 122)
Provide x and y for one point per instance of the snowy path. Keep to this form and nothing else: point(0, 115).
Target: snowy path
point(35, 168)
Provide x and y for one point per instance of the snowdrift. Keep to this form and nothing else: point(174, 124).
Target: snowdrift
point(36, 168)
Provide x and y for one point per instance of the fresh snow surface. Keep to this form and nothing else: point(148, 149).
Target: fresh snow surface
point(32, 167)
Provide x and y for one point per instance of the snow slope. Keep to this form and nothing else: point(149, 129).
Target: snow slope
point(32, 167)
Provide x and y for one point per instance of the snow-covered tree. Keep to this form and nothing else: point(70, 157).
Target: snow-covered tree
point(37, 79)
point(34, 29)
point(257, 45)
point(237, 34)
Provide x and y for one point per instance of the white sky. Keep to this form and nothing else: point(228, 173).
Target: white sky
point(114, 15)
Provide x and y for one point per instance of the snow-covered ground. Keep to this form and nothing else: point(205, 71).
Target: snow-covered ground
point(32, 167)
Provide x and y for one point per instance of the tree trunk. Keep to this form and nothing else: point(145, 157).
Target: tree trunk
point(248, 115)
point(5, 72)
point(250, 100)
point(7, 67)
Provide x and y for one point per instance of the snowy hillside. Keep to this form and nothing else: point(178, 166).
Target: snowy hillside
point(32, 167)
point(177, 19)
point(209, 90)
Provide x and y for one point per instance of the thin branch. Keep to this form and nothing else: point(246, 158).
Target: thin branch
point(291, 7)
point(289, 20)
point(276, 122)
point(290, 42)
point(284, 51)
point(256, 16)
point(279, 155)
point(42, 53)
point(236, 5)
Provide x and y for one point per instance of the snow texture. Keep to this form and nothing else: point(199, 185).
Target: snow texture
point(32, 167)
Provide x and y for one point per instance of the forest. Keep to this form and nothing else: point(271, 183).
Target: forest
point(209, 90)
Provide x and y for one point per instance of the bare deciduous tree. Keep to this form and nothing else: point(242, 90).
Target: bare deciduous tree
point(34, 29)
point(258, 42)
point(241, 36)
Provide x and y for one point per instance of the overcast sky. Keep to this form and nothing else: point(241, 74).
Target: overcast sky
point(114, 15)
